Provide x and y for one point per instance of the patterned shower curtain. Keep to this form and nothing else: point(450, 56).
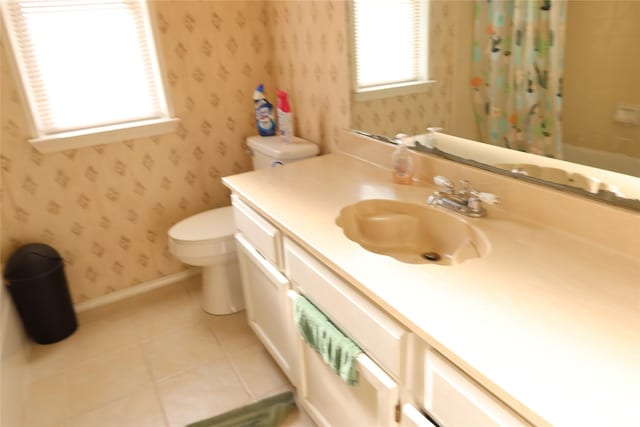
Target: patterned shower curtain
point(517, 73)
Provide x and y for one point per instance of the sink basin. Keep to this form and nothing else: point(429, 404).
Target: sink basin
point(412, 233)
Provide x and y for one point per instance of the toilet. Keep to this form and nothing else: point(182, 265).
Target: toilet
point(206, 239)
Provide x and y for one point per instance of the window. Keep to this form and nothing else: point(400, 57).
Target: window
point(88, 69)
point(389, 47)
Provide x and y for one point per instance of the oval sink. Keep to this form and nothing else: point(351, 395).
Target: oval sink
point(412, 233)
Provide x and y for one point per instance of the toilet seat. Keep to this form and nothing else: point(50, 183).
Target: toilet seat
point(205, 238)
point(208, 226)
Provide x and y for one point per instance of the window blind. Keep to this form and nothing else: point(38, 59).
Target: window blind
point(389, 42)
point(86, 63)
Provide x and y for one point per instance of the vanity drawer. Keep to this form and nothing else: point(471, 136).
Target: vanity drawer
point(380, 336)
point(258, 231)
point(454, 399)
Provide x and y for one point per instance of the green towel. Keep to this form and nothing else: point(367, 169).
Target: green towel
point(269, 412)
point(338, 351)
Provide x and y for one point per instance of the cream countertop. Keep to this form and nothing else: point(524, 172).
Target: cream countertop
point(548, 322)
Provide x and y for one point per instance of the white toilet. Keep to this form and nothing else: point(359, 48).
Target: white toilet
point(206, 239)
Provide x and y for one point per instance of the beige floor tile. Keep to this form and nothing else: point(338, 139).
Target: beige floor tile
point(50, 359)
point(281, 389)
point(181, 349)
point(174, 310)
point(109, 330)
point(95, 338)
point(139, 409)
point(107, 377)
point(298, 418)
point(109, 311)
point(193, 285)
point(201, 393)
point(102, 375)
point(259, 371)
point(47, 402)
point(232, 331)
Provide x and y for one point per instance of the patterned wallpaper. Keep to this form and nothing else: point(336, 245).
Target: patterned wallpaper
point(311, 62)
point(412, 114)
point(107, 208)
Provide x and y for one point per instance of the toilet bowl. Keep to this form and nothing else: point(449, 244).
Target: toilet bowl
point(206, 239)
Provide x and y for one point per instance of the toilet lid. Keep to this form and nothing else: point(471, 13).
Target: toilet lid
point(209, 225)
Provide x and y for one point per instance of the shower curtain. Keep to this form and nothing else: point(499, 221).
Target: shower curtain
point(517, 73)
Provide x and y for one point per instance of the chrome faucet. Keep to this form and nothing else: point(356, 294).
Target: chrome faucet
point(463, 201)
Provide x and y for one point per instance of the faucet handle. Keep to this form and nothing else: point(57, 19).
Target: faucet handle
point(464, 188)
point(488, 198)
point(442, 181)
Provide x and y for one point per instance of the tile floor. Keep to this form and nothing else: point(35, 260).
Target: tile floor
point(152, 360)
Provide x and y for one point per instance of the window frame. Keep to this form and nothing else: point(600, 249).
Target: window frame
point(96, 135)
point(419, 85)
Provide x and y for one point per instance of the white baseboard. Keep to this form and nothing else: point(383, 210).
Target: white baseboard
point(136, 290)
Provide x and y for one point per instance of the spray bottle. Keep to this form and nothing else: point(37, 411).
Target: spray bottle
point(264, 113)
point(285, 119)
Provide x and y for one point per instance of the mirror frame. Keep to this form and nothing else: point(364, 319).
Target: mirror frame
point(607, 197)
point(602, 196)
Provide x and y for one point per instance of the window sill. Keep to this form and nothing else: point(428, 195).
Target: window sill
point(104, 135)
point(389, 91)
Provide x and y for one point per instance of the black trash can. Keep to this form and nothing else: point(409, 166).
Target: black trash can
point(35, 279)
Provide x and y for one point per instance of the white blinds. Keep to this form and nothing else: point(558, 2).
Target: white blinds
point(86, 63)
point(390, 42)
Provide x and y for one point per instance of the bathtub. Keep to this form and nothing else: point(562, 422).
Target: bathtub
point(617, 162)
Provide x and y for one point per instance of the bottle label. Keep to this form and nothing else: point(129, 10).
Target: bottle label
point(264, 118)
point(285, 126)
point(403, 167)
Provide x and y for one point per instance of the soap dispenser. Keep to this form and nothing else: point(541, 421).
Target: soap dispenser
point(402, 162)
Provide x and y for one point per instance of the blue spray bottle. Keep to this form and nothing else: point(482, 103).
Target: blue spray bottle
point(264, 113)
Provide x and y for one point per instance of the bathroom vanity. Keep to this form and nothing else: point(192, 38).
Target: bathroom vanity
point(542, 329)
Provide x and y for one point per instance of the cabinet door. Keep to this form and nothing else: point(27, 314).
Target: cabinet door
point(411, 417)
point(268, 308)
point(453, 399)
point(333, 403)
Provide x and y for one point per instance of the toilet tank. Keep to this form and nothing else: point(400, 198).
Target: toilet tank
point(270, 151)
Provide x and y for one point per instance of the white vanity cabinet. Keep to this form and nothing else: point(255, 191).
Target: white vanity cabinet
point(264, 286)
point(401, 378)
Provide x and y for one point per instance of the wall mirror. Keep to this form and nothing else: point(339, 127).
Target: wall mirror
point(588, 113)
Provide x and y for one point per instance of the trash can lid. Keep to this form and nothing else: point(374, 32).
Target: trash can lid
point(30, 261)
